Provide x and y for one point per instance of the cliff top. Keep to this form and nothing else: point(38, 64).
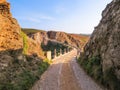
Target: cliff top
point(3, 1)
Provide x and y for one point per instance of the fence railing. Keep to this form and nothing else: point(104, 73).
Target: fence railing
point(52, 55)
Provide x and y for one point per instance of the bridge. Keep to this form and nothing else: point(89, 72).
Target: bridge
point(49, 53)
point(65, 73)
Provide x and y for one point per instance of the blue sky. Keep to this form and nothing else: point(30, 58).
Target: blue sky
point(72, 16)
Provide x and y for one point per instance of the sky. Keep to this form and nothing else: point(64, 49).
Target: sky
point(72, 16)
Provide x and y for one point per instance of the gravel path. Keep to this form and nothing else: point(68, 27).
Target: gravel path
point(65, 74)
point(85, 82)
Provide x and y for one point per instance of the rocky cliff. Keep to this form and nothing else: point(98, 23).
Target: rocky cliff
point(42, 37)
point(39, 36)
point(9, 29)
point(72, 39)
point(11, 36)
point(101, 57)
point(21, 58)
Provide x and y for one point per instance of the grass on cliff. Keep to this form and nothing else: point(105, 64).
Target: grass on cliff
point(93, 67)
point(28, 30)
point(25, 42)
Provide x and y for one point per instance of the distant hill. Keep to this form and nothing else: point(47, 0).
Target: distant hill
point(85, 35)
point(77, 40)
point(72, 39)
point(30, 30)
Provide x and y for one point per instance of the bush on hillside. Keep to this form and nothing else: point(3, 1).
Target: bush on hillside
point(25, 42)
point(25, 76)
point(107, 78)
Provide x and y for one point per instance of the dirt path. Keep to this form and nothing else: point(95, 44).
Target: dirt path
point(85, 82)
point(67, 77)
point(65, 74)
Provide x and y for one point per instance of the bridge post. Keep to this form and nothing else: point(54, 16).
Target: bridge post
point(67, 50)
point(55, 53)
point(64, 51)
point(60, 51)
point(49, 55)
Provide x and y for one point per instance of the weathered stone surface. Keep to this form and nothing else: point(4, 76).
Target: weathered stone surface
point(18, 53)
point(39, 37)
point(105, 40)
point(9, 29)
point(71, 39)
point(2, 1)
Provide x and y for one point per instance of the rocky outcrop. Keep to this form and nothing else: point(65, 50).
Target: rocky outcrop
point(39, 37)
point(10, 30)
point(43, 37)
point(11, 36)
point(21, 58)
point(72, 39)
point(5, 8)
point(104, 44)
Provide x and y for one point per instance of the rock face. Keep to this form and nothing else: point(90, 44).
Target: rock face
point(105, 44)
point(43, 37)
point(71, 39)
point(11, 36)
point(2, 1)
point(39, 37)
point(9, 29)
point(11, 42)
point(20, 56)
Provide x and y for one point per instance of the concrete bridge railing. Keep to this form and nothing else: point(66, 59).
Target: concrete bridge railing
point(62, 52)
point(51, 56)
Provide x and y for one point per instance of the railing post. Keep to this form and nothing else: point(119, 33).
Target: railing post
point(64, 51)
point(49, 55)
point(60, 51)
point(55, 54)
point(67, 50)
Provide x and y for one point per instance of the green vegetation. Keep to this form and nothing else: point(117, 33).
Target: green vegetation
point(110, 79)
point(27, 30)
point(24, 74)
point(107, 78)
point(93, 67)
point(52, 46)
point(25, 42)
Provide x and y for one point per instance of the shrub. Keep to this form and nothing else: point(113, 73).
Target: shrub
point(6, 86)
point(94, 68)
point(52, 46)
point(25, 42)
point(110, 79)
point(26, 80)
point(43, 66)
point(91, 64)
point(26, 77)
